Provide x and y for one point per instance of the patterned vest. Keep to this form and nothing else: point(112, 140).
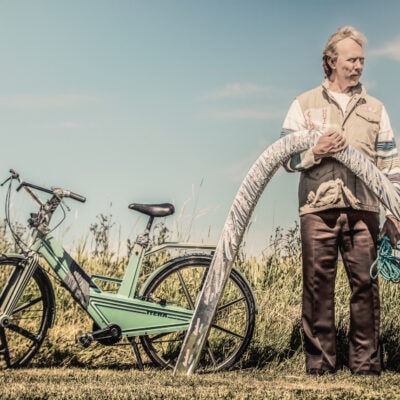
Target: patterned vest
point(328, 184)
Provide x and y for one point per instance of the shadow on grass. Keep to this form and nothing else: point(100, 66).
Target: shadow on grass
point(257, 356)
point(261, 357)
point(391, 348)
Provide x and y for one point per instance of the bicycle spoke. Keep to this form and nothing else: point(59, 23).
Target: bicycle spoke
point(23, 332)
point(231, 303)
point(185, 290)
point(229, 332)
point(4, 349)
point(211, 354)
point(155, 338)
point(28, 304)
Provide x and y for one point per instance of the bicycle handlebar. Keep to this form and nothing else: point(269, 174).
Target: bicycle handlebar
point(31, 185)
point(72, 195)
point(54, 190)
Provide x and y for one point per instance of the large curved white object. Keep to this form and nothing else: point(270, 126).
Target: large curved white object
point(239, 215)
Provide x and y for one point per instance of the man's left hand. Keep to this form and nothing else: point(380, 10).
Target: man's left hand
point(391, 228)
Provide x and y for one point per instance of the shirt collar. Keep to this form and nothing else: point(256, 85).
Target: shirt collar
point(356, 90)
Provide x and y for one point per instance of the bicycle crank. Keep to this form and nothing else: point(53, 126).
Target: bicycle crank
point(106, 336)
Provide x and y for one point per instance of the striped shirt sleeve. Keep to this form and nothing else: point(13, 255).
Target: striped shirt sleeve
point(387, 159)
point(295, 121)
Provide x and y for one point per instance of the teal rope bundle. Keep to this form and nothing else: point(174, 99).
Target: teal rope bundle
point(387, 264)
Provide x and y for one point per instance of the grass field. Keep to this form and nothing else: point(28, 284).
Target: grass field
point(272, 368)
point(251, 384)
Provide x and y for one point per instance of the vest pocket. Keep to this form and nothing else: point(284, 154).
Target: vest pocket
point(368, 114)
point(321, 172)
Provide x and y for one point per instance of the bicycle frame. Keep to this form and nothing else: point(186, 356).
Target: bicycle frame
point(133, 315)
point(156, 314)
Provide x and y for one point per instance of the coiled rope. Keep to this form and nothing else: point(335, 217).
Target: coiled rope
point(387, 262)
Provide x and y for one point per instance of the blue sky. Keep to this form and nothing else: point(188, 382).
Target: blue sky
point(165, 100)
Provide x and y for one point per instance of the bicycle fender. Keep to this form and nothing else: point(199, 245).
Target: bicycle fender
point(168, 265)
point(205, 257)
point(12, 256)
point(43, 275)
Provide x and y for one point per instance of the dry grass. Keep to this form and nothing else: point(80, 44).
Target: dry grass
point(99, 384)
point(273, 367)
point(277, 342)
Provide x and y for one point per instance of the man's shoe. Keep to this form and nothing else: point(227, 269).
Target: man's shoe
point(319, 371)
point(367, 373)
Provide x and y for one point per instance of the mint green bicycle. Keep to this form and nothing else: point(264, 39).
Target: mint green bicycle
point(159, 312)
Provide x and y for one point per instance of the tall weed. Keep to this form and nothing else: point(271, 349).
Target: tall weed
point(276, 280)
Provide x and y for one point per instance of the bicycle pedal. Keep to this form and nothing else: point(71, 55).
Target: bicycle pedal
point(107, 336)
point(86, 340)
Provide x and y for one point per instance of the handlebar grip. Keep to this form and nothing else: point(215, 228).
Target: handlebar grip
point(76, 197)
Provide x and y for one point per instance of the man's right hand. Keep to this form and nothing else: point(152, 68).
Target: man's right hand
point(331, 142)
point(391, 228)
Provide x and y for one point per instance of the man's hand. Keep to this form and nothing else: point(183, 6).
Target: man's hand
point(391, 228)
point(329, 143)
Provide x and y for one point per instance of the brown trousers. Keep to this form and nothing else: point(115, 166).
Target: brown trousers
point(354, 234)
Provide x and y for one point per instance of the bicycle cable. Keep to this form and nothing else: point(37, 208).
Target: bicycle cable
point(64, 216)
point(387, 263)
point(17, 237)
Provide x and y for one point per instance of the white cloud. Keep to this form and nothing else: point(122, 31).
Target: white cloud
point(261, 113)
point(69, 125)
point(390, 50)
point(236, 90)
point(241, 101)
point(29, 101)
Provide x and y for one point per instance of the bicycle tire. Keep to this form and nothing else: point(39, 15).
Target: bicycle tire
point(34, 314)
point(233, 325)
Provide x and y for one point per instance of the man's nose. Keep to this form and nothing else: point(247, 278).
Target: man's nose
point(359, 65)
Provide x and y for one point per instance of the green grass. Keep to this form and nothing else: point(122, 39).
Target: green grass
point(273, 367)
point(251, 384)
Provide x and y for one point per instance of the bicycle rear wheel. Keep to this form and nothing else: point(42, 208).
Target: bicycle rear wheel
point(26, 329)
point(233, 324)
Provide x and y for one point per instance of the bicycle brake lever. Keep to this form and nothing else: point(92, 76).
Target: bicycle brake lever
point(59, 193)
point(65, 205)
point(8, 179)
point(14, 175)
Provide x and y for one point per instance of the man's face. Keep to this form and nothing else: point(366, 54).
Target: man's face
point(348, 67)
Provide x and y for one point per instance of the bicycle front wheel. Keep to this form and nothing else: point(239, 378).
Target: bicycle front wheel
point(233, 324)
point(26, 329)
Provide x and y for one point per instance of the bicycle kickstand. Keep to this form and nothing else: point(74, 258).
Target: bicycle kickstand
point(137, 353)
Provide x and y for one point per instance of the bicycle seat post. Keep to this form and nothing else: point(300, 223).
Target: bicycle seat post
point(149, 224)
point(131, 276)
point(144, 239)
point(152, 211)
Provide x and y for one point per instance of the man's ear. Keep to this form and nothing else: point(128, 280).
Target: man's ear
point(331, 62)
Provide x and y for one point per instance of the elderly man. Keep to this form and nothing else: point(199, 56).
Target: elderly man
point(337, 211)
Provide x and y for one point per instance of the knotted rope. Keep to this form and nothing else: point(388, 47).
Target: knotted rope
point(387, 262)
